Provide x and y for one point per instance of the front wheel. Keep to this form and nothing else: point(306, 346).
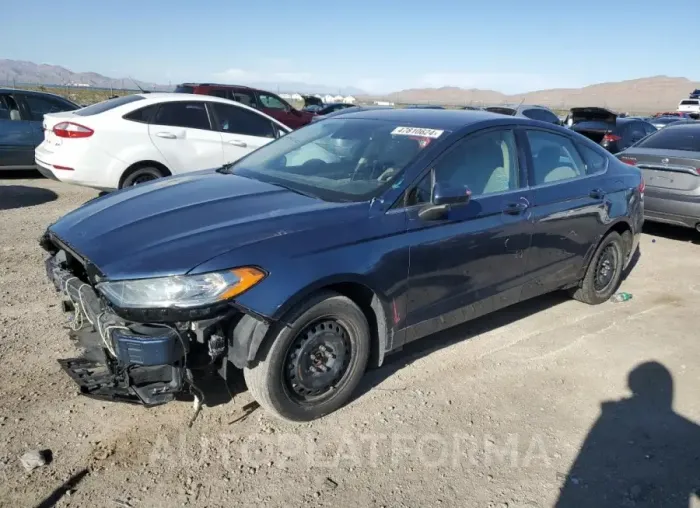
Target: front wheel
point(311, 367)
point(603, 274)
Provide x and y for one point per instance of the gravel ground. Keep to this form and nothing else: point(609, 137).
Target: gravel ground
point(497, 420)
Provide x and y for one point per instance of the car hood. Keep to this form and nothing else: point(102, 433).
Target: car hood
point(171, 225)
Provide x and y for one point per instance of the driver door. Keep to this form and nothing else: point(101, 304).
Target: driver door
point(472, 260)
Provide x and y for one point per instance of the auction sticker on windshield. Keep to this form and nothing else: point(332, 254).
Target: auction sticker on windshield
point(417, 131)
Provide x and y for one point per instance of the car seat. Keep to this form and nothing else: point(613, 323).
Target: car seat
point(548, 166)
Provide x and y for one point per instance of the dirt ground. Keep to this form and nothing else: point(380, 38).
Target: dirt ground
point(497, 420)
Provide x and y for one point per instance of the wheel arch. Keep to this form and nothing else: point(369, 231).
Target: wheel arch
point(143, 164)
point(621, 226)
point(250, 332)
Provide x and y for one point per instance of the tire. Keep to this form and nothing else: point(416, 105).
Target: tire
point(142, 175)
point(273, 379)
point(591, 290)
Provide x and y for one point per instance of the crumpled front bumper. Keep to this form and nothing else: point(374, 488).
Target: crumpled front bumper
point(121, 361)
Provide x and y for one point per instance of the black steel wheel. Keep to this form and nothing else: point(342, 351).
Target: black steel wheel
point(603, 274)
point(317, 360)
point(311, 367)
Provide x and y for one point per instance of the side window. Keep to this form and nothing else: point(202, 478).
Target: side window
point(270, 101)
point(242, 96)
point(595, 162)
point(40, 106)
point(650, 129)
point(224, 94)
point(142, 115)
point(534, 114)
point(236, 120)
point(554, 157)
point(548, 116)
point(485, 163)
point(183, 114)
point(9, 110)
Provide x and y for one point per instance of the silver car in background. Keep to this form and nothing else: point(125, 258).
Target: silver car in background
point(670, 164)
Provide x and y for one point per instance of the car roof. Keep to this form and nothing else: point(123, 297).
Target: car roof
point(33, 92)
point(181, 97)
point(222, 85)
point(448, 119)
point(175, 96)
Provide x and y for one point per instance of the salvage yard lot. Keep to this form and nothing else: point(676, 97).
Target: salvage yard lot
point(496, 420)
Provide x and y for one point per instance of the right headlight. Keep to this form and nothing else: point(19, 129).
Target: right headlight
point(181, 291)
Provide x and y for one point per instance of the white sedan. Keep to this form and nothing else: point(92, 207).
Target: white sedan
point(141, 137)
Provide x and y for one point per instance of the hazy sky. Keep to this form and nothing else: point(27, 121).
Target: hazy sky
point(378, 45)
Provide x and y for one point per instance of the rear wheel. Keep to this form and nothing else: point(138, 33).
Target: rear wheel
point(603, 274)
point(142, 175)
point(310, 368)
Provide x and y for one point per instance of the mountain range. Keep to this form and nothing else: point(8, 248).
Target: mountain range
point(654, 93)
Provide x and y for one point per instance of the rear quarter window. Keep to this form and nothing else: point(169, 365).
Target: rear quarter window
point(594, 160)
point(103, 106)
point(142, 115)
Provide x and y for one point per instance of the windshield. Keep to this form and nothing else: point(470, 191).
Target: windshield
point(338, 159)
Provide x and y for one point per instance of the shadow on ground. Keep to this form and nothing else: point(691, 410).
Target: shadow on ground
point(70, 484)
point(21, 196)
point(677, 233)
point(639, 452)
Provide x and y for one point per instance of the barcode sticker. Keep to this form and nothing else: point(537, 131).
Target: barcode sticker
point(417, 131)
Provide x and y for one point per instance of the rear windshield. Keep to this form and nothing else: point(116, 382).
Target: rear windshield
point(594, 125)
point(679, 137)
point(502, 111)
point(184, 89)
point(690, 103)
point(101, 107)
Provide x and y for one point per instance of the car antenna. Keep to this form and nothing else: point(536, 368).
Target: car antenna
point(137, 85)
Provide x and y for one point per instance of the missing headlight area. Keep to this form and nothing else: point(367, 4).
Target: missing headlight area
point(143, 356)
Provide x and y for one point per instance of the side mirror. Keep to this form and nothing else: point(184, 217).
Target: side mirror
point(445, 197)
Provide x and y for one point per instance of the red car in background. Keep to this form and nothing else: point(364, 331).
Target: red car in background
point(267, 102)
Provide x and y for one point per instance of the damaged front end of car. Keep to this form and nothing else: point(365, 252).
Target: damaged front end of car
point(149, 341)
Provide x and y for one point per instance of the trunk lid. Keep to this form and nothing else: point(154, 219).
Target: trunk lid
point(675, 170)
point(592, 114)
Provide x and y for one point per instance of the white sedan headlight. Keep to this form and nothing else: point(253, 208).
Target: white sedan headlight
point(181, 291)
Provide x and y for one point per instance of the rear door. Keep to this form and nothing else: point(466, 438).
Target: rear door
point(242, 130)
point(182, 132)
point(568, 207)
point(16, 136)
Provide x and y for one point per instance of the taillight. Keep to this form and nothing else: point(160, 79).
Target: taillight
point(642, 186)
point(72, 130)
point(628, 160)
point(610, 138)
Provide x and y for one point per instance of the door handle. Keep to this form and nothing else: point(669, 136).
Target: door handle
point(515, 208)
point(597, 194)
point(166, 135)
point(238, 142)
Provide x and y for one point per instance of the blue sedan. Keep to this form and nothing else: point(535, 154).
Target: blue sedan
point(21, 131)
point(320, 253)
